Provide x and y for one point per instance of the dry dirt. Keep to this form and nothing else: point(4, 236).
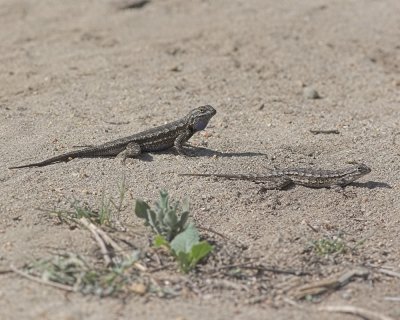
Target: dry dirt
point(85, 72)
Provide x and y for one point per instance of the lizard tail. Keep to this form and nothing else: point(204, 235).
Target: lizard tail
point(45, 162)
point(61, 158)
point(226, 176)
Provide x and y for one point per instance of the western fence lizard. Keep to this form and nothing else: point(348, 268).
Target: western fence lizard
point(173, 134)
point(305, 177)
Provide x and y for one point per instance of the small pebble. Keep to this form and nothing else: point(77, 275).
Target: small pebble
point(310, 93)
point(347, 295)
point(176, 69)
point(138, 288)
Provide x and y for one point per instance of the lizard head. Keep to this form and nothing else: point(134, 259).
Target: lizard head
point(199, 117)
point(356, 172)
point(362, 169)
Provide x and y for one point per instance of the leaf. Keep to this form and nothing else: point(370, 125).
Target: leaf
point(141, 208)
point(170, 219)
point(185, 205)
point(160, 241)
point(188, 260)
point(159, 214)
point(163, 199)
point(185, 240)
point(183, 220)
point(152, 221)
point(199, 251)
point(184, 261)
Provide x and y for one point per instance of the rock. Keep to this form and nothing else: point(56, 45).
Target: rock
point(311, 93)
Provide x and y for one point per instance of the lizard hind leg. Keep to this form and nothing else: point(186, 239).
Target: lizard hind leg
point(131, 150)
point(276, 184)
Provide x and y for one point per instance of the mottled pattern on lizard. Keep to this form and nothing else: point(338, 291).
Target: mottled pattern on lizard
point(173, 134)
point(312, 178)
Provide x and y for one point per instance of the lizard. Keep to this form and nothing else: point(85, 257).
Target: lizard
point(301, 176)
point(173, 134)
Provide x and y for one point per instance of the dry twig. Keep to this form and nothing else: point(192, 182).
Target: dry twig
point(389, 272)
point(325, 285)
point(102, 239)
point(362, 313)
point(332, 131)
point(94, 230)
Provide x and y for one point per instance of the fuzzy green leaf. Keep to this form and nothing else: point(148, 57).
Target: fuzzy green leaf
point(160, 241)
point(199, 251)
point(185, 240)
point(163, 203)
point(141, 208)
point(152, 220)
point(184, 261)
point(170, 218)
point(183, 220)
point(188, 260)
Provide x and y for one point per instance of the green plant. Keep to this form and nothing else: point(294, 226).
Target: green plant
point(74, 272)
point(173, 231)
point(324, 247)
point(163, 219)
point(107, 213)
point(120, 270)
point(186, 247)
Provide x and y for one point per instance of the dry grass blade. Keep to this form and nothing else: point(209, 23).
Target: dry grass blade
point(102, 239)
point(94, 230)
point(331, 131)
point(261, 267)
point(389, 273)
point(42, 281)
point(396, 299)
point(322, 286)
point(362, 313)
point(5, 271)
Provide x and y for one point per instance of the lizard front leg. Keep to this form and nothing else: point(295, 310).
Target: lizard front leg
point(180, 140)
point(132, 149)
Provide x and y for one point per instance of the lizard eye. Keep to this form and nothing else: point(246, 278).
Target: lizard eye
point(363, 168)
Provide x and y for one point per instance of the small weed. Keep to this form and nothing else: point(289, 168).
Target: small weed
point(325, 247)
point(72, 270)
point(186, 247)
point(106, 215)
point(173, 232)
point(121, 270)
point(163, 219)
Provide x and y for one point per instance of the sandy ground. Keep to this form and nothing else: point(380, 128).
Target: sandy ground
point(83, 72)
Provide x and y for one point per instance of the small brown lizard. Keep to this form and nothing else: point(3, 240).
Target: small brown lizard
point(173, 134)
point(306, 177)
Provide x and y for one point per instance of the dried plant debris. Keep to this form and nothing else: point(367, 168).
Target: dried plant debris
point(175, 259)
point(310, 290)
point(325, 131)
point(72, 270)
point(359, 312)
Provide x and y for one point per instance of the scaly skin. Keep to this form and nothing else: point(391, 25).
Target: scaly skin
point(306, 177)
point(173, 134)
